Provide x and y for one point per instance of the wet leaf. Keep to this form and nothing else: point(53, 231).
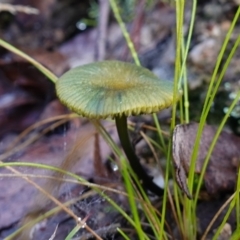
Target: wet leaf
point(24, 91)
point(221, 172)
point(27, 94)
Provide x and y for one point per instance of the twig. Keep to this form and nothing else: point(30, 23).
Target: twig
point(54, 233)
point(102, 29)
point(18, 8)
point(104, 231)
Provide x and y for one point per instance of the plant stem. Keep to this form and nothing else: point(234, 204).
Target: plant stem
point(121, 123)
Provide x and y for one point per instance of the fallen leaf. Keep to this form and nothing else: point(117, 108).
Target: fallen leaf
point(221, 172)
point(67, 151)
point(25, 92)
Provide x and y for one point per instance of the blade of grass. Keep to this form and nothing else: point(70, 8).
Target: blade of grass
point(235, 235)
point(226, 216)
point(39, 66)
point(214, 141)
point(149, 210)
point(227, 114)
point(230, 199)
point(118, 153)
point(157, 124)
point(107, 138)
point(57, 202)
point(238, 201)
point(177, 86)
point(147, 140)
point(178, 197)
point(109, 188)
point(123, 234)
point(185, 95)
point(191, 208)
point(81, 224)
point(55, 169)
point(233, 203)
point(179, 36)
point(131, 200)
point(126, 35)
point(185, 50)
point(208, 101)
point(124, 214)
point(164, 203)
point(45, 216)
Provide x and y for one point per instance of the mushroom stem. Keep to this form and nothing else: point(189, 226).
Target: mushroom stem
point(121, 123)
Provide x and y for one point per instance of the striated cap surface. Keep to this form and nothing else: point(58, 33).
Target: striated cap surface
point(113, 88)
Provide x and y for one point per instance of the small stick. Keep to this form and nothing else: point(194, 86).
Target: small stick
point(102, 29)
point(17, 8)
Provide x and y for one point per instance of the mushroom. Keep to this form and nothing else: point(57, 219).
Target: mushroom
point(116, 89)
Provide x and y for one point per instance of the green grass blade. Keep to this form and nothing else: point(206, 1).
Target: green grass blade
point(123, 234)
point(149, 210)
point(226, 216)
point(185, 50)
point(207, 103)
point(36, 64)
point(131, 199)
point(225, 117)
point(55, 169)
point(238, 202)
point(157, 124)
point(117, 15)
point(179, 68)
point(74, 231)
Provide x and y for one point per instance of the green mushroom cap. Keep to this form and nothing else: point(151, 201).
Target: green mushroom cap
point(113, 89)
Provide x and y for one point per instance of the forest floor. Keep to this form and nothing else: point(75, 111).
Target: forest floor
point(65, 34)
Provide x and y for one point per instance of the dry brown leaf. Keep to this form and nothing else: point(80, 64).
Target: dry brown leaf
point(221, 172)
point(67, 151)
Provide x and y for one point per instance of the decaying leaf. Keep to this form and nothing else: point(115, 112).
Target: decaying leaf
point(71, 151)
point(221, 172)
point(25, 92)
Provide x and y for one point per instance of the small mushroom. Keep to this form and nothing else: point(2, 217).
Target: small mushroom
point(116, 89)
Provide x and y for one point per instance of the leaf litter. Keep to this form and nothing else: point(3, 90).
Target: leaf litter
point(219, 179)
point(221, 172)
point(58, 46)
